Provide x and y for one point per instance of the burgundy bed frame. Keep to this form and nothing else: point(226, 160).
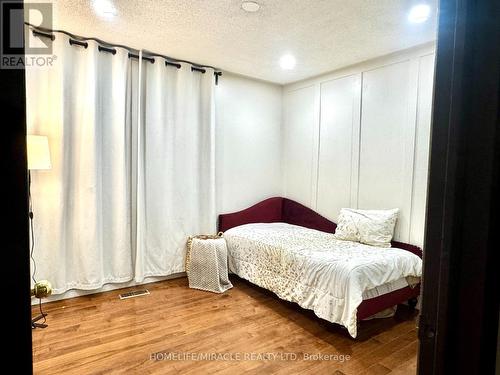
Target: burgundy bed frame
point(285, 210)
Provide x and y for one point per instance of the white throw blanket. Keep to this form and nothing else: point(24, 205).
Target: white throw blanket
point(207, 265)
point(314, 269)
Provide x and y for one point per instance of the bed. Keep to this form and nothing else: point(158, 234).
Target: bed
point(289, 249)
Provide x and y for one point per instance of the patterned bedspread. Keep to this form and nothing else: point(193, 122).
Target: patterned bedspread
point(314, 269)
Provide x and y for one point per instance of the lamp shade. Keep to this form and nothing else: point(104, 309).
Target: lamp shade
point(38, 152)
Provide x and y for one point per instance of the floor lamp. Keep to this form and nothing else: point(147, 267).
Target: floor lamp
point(38, 159)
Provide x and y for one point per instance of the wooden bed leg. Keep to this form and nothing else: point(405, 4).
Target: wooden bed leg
point(412, 302)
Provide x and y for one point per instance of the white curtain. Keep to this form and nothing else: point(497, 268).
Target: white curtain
point(129, 181)
point(176, 159)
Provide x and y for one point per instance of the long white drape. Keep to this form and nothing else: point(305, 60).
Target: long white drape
point(122, 194)
point(176, 177)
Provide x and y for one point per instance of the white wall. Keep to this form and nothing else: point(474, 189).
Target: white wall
point(248, 141)
point(359, 137)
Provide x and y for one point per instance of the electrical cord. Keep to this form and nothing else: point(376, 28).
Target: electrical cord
point(30, 206)
point(41, 311)
point(32, 245)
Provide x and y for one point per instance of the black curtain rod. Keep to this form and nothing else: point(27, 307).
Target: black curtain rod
point(134, 56)
point(107, 47)
point(177, 65)
point(130, 54)
point(195, 69)
point(78, 43)
point(43, 34)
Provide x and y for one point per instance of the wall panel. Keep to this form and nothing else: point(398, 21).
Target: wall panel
point(382, 161)
point(337, 144)
point(300, 149)
point(359, 137)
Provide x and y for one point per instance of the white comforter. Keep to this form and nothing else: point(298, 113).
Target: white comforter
point(314, 269)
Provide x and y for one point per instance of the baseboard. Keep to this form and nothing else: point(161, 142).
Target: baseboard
point(73, 293)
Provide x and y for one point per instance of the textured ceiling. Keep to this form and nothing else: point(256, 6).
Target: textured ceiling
point(323, 35)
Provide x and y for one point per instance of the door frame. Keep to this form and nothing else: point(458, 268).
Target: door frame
point(16, 328)
point(459, 319)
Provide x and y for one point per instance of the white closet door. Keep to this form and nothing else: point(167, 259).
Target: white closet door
point(422, 143)
point(386, 143)
point(338, 149)
point(299, 133)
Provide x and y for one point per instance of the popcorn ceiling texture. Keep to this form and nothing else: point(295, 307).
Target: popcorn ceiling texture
point(323, 35)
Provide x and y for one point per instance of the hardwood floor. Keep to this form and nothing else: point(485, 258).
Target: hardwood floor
point(101, 334)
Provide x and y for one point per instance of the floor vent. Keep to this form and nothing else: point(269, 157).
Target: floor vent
point(134, 293)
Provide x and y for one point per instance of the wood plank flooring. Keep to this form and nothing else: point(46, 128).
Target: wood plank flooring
point(101, 334)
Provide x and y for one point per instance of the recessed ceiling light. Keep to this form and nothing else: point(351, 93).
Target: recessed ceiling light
point(104, 8)
point(287, 62)
point(419, 13)
point(250, 6)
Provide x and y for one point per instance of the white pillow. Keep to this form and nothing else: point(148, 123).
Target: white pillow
point(371, 227)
